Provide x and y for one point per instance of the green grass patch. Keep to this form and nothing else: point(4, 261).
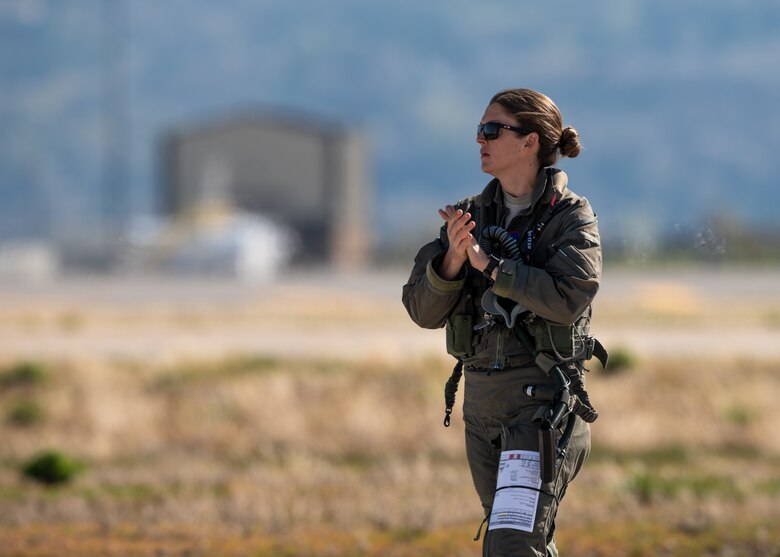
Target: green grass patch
point(712, 486)
point(133, 492)
point(52, 467)
point(409, 534)
point(12, 493)
point(679, 458)
point(25, 413)
point(190, 373)
point(203, 372)
point(356, 460)
point(24, 374)
point(770, 486)
point(740, 450)
point(654, 456)
point(740, 415)
point(648, 487)
point(621, 360)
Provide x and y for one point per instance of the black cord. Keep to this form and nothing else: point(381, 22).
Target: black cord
point(497, 234)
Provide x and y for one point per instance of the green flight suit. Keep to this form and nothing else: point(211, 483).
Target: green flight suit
point(556, 279)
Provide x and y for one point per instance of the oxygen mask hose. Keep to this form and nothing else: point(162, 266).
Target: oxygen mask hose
point(496, 234)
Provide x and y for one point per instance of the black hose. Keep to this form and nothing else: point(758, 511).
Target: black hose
point(499, 235)
point(563, 442)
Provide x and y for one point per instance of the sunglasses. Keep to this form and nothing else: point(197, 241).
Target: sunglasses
point(489, 130)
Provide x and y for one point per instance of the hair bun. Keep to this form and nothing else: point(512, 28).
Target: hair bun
point(569, 143)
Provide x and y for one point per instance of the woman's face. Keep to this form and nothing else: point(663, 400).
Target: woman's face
point(510, 150)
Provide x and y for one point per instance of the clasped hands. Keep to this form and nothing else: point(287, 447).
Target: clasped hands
point(463, 246)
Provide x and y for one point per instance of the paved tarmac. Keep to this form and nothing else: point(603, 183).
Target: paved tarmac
point(317, 312)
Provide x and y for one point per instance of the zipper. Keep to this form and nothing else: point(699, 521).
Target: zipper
point(498, 362)
point(573, 263)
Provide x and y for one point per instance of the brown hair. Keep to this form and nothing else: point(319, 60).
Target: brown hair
point(538, 112)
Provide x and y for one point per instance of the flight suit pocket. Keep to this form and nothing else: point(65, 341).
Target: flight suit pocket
point(574, 260)
point(460, 331)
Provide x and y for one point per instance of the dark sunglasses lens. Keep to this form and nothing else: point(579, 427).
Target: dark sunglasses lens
point(489, 130)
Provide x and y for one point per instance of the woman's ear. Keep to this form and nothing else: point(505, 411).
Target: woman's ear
point(531, 139)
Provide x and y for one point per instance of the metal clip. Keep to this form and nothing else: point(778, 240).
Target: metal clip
point(487, 323)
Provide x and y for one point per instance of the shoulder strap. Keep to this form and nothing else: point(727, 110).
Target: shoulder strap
point(548, 211)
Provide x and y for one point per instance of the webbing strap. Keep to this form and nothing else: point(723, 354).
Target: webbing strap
point(600, 353)
point(545, 362)
point(450, 389)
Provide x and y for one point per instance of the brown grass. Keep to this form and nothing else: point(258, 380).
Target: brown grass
point(248, 449)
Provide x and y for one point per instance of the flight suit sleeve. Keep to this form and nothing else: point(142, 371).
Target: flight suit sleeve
point(428, 298)
point(562, 290)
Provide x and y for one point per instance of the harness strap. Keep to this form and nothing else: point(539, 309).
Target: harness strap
point(545, 362)
point(450, 389)
point(600, 353)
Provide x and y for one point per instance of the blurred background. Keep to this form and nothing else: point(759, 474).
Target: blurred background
point(121, 119)
point(207, 212)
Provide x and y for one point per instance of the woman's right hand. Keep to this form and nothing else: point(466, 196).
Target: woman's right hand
point(459, 227)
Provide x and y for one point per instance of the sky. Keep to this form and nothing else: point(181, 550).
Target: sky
point(674, 101)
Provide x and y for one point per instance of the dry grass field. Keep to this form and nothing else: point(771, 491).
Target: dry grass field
point(305, 419)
